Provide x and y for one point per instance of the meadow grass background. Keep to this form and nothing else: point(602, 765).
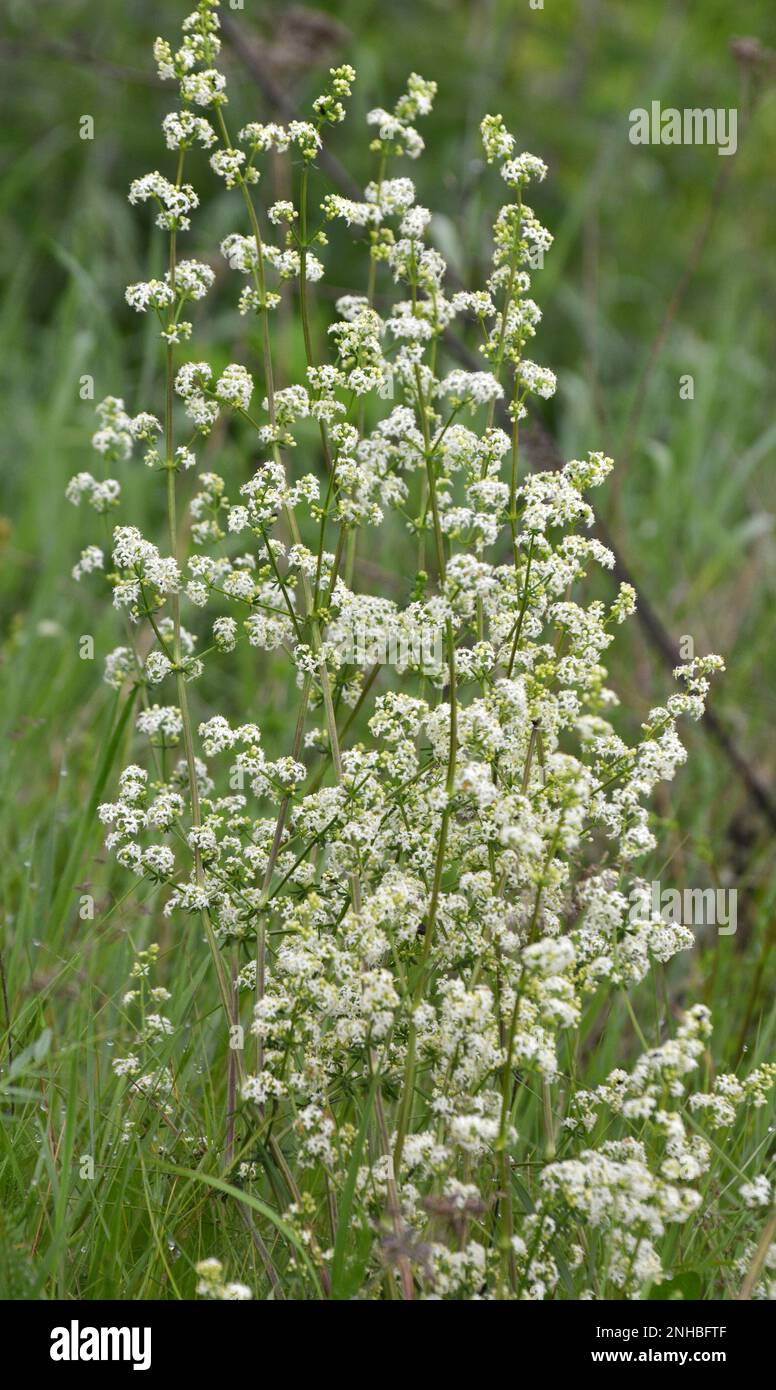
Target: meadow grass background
point(692, 511)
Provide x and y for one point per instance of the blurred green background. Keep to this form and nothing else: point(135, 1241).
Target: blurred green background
point(659, 270)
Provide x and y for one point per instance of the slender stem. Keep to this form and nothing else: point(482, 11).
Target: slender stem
point(408, 1083)
point(183, 704)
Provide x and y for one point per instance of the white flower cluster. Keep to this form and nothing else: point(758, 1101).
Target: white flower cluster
point(150, 1089)
point(212, 1284)
point(420, 908)
point(190, 280)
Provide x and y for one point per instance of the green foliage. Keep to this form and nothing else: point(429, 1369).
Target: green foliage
point(694, 513)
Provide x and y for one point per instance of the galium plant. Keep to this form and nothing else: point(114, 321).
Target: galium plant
point(409, 907)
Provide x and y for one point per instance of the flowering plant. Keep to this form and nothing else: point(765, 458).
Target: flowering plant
point(410, 903)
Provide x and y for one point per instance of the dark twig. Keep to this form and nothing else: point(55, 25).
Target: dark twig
point(76, 57)
point(281, 102)
point(662, 642)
